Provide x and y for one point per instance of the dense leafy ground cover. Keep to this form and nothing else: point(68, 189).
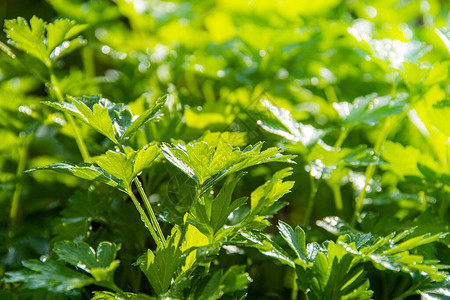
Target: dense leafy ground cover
point(224, 149)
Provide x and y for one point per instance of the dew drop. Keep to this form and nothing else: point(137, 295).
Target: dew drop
point(198, 68)
point(220, 73)
point(106, 49)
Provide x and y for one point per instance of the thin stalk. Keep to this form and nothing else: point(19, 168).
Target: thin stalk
point(144, 218)
point(79, 139)
point(116, 289)
point(409, 292)
point(87, 55)
point(402, 285)
point(112, 286)
point(359, 204)
point(23, 156)
point(137, 282)
point(446, 160)
point(422, 200)
point(394, 84)
point(312, 198)
point(371, 168)
point(342, 136)
point(388, 124)
point(445, 202)
point(294, 292)
point(159, 237)
point(330, 94)
point(336, 188)
point(406, 294)
point(197, 194)
point(153, 219)
point(78, 136)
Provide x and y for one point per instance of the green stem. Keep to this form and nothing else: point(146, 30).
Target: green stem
point(422, 199)
point(402, 285)
point(23, 156)
point(159, 236)
point(153, 219)
point(446, 160)
point(342, 136)
point(137, 282)
point(336, 188)
point(197, 194)
point(330, 94)
point(87, 55)
point(78, 136)
point(112, 286)
point(118, 290)
point(406, 294)
point(312, 198)
point(445, 202)
point(371, 168)
point(394, 84)
point(144, 218)
point(388, 124)
point(409, 292)
point(79, 139)
point(294, 292)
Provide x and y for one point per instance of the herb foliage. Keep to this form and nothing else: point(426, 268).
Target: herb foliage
point(164, 149)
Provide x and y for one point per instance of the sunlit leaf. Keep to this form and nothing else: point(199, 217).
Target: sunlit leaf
point(292, 131)
point(211, 216)
point(84, 171)
point(45, 42)
point(101, 263)
point(144, 158)
point(28, 37)
point(92, 110)
point(267, 194)
point(370, 109)
point(207, 165)
point(103, 295)
point(295, 239)
point(117, 164)
point(51, 275)
point(403, 160)
point(160, 266)
point(115, 121)
point(148, 115)
point(387, 52)
point(443, 35)
point(235, 139)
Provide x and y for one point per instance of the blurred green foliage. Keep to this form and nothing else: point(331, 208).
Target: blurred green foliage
point(358, 91)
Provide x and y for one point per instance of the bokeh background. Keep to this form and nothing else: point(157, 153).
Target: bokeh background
point(216, 60)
